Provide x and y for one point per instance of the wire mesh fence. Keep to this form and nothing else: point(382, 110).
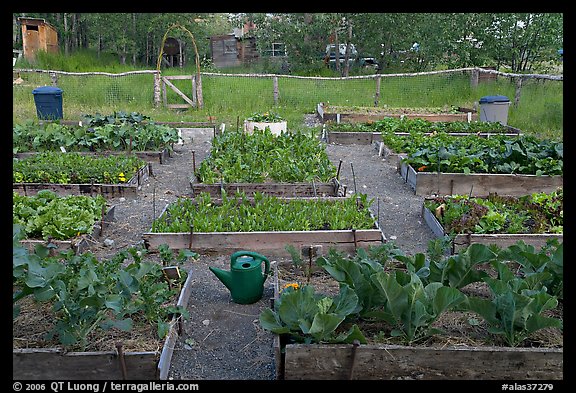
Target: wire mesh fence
point(140, 90)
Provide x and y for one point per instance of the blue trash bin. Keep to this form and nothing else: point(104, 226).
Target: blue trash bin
point(48, 100)
point(494, 109)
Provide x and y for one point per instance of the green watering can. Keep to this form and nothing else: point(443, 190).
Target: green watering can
point(245, 279)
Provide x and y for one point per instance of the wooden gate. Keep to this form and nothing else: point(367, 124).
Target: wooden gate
point(190, 102)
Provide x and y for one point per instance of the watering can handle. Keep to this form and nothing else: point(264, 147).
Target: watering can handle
point(254, 255)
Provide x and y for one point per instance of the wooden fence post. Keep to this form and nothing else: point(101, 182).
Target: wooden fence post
point(157, 89)
point(194, 98)
point(519, 81)
point(377, 95)
point(474, 78)
point(275, 84)
point(54, 78)
point(199, 91)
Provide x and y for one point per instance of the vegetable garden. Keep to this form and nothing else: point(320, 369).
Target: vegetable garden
point(281, 195)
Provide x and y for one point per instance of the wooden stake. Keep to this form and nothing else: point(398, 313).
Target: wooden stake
point(122, 360)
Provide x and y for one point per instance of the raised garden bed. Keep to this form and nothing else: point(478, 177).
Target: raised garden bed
point(272, 242)
point(372, 132)
point(324, 189)
point(60, 222)
point(476, 184)
point(291, 164)
point(445, 165)
point(159, 157)
point(342, 114)
point(80, 243)
point(57, 165)
point(454, 358)
point(489, 220)
point(60, 363)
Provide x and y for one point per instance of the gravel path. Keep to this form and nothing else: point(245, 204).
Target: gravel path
point(223, 340)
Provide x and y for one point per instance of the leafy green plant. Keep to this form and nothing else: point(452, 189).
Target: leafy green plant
point(307, 316)
point(86, 294)
point(548, 263)
point(469, 154)
point(410, 307)
point(356, 273)
point(265, 117)
point(517, 305)
point(534, 213)
point(265, 213)
point(106, 134)
point(263, 157)
point(75, 168)
point(47, 215)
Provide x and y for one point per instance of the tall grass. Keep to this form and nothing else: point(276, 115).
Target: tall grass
point(230, 99)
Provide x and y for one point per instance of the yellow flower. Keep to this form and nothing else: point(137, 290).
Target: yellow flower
point(121, 177)
point(293, 285)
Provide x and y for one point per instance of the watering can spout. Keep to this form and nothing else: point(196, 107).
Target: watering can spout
point(223, 275)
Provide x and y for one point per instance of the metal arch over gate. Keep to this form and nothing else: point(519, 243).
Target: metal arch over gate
point(197, 100)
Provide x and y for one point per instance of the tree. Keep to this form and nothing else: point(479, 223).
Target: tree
point(521, 41)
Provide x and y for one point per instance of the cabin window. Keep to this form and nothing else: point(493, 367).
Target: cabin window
point(229, 46)
point(31, 27)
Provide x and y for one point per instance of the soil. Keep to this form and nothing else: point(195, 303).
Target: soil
point(223, 340)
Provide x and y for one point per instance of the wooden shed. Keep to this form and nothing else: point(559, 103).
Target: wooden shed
point(233, 49)
point(37, 34)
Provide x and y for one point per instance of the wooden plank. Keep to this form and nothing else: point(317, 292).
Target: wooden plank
point(110, 190)
point(182, 95)
point(462, 241)
point(272, 243)
point(158, 156)
point(182, 77)
point(178, 106)
point(324, 362)
point(538, 240)
point(353, 138)
point(170, 342)
point(477, 184)
point(276, 189)
point(52, 364)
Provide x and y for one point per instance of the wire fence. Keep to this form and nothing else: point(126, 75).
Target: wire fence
point(252, 92)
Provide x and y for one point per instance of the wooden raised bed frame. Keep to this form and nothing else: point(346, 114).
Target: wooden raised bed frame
point(462, 241)
point(393, 362)
point(55, 364)
point(79, 244)
point(158, 157)
point(368, 138)
point(476, 184)
point(270, 242)
point(329, 189)
point(108, 190)
point(380, 113)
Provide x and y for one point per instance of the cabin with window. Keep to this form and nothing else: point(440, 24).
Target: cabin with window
point(37, 34)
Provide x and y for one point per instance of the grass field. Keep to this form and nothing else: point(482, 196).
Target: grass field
point(230, 99)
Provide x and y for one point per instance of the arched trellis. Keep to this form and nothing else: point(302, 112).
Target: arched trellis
point(197, 83)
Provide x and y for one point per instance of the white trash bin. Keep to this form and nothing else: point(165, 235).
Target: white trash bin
point(494, 109)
